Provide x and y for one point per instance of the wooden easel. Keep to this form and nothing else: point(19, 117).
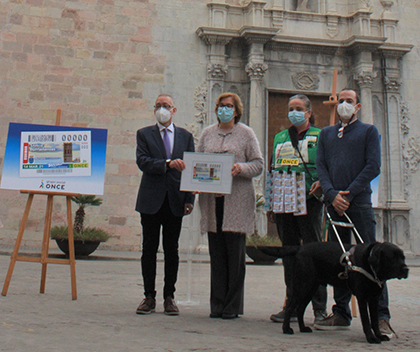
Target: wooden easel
point(332, 102)
point(44, 259)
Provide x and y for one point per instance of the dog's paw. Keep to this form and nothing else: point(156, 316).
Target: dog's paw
point(384, 338)
point(306, 329)
point(373, 339)
point(288, 331)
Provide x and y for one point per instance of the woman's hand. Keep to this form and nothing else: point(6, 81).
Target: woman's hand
point(236, 170)
point(316, 189)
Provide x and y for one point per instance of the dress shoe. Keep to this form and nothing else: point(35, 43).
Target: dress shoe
point(146, 306)
point(215, 315)
point(170, 307)
point(229, 316)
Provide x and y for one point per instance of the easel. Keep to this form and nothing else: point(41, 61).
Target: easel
point(44, 259)
point(332, 102)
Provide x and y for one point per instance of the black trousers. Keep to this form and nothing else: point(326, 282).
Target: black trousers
point(297, 230)
point(227, 264)
point(171, 229)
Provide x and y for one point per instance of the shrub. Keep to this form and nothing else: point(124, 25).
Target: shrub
point(89, 234)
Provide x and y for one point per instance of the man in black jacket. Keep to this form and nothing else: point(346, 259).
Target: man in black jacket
point(160, 203)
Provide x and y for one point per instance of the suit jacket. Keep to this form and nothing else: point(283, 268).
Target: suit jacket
point(157, 180)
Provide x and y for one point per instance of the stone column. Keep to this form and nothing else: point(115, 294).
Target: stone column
point(396, 215)
point(365, 80)
point(392, 115)
point(256, 69)
point(217, 69)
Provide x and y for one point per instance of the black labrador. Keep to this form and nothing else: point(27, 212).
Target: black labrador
point(319, 263)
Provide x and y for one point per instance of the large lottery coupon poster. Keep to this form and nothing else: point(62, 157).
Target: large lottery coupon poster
point(55, 158)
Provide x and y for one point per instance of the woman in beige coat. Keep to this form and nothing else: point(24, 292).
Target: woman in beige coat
point(228, 218)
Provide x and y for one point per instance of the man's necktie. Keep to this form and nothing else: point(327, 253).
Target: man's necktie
point(167, 143)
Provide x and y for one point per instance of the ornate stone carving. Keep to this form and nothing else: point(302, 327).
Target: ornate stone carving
point(256, 70)
point(200, 103)
point(365, 78)
point(365, 4)
point(392, 84)
point(410, 147)
point(195, 131)
point(413, 154)
point(305, 81)
point(405, 118)
point(216, 71)
point(387, 4)
point(332, 26)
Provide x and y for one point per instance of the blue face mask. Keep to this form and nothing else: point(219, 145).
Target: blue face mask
point(297, 117)
point(225, 114)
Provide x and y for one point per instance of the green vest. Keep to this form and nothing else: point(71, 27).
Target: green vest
point(285, 157)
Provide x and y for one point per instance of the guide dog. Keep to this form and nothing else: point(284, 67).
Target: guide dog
point(322, 263)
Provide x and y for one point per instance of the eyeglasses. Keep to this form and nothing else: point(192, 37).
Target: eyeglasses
point(166, 106)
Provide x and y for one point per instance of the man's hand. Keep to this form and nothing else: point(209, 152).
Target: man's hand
point(316, 189)
point(188, 208)
point(236, 170)
point(340, 202)
point(177, 164)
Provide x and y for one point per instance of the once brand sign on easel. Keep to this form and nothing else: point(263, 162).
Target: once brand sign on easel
point(55, 158)
point(52, 161)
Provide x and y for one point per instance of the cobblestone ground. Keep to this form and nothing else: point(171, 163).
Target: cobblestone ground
point(103, 317)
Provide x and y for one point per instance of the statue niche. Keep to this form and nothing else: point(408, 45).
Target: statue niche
point(302, 5)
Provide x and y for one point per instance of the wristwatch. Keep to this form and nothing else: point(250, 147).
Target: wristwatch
point(167, 161)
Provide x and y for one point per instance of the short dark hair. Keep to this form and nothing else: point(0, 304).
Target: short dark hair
point(166, 95)
point(357, 95)
point(239, 108)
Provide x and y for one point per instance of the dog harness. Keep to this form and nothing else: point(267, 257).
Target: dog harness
point(349, 267)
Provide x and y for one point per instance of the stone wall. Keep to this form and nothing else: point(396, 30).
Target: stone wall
point(103, 62)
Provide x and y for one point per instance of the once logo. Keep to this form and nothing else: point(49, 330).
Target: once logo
point(54, 186)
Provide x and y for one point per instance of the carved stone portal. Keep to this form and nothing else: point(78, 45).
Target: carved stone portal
point(305, 81)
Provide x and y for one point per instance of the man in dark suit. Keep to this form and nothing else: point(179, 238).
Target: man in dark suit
point(160, 203)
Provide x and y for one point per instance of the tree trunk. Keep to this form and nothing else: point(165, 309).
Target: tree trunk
point(79, 219)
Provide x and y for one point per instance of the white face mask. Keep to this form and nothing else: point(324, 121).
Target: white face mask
point(345, 110)
point(163, 115)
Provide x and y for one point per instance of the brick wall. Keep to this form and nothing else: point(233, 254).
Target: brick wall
point(102, 62)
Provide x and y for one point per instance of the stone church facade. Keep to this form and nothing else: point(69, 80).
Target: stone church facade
point(104, 62)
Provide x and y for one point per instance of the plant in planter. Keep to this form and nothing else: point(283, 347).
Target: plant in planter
point(255, 244)
point(86, 240)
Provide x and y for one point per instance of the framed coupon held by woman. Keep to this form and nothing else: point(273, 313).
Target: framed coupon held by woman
point(207, 172)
